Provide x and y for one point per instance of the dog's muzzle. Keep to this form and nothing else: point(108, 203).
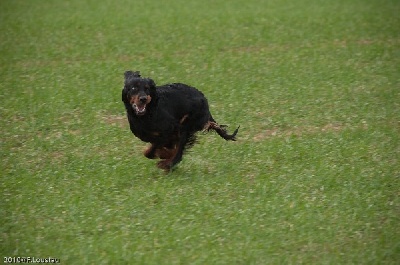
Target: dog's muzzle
point(139, 103)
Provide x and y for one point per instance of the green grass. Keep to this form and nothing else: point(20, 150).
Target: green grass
point(314, 177)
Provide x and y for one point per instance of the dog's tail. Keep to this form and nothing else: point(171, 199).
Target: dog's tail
point(220, 129)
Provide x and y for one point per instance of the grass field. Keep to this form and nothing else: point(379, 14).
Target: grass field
point(314, 177)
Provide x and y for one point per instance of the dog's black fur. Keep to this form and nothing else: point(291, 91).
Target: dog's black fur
point(167, 116)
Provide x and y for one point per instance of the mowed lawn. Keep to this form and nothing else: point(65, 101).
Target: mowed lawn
point(314, 177)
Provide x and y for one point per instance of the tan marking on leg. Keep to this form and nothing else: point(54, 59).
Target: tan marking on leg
point(165, 153)
point(183, 118)
point(148, 152)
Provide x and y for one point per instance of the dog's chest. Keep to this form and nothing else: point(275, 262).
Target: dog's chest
point(150, 130)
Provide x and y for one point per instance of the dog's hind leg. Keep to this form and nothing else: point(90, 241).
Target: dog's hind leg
point(220, 129)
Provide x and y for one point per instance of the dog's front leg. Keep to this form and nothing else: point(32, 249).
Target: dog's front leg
point(151, 151)
point(169, 163)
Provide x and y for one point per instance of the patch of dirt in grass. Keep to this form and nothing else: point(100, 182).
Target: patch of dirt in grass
point(297, 131)
point(115, 120)
point(57, 157)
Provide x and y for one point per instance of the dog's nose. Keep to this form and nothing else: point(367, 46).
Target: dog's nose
point(143, 99)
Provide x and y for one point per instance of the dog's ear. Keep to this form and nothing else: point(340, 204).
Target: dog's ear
point(124, 94)
point(151, 82)
point(130, 74)
point(152, 85)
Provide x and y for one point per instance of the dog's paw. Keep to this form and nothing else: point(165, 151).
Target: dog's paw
point(149, 153)
point(165, 165)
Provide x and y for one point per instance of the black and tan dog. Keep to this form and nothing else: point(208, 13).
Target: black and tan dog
point(167, 116)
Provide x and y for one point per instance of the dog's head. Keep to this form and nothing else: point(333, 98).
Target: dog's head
point(138, 92)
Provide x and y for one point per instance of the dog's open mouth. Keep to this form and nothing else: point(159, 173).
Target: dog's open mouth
point(140, 110)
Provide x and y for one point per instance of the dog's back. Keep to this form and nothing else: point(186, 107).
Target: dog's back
point(180, 100)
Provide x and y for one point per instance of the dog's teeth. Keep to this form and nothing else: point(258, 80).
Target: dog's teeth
point(138, 110)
